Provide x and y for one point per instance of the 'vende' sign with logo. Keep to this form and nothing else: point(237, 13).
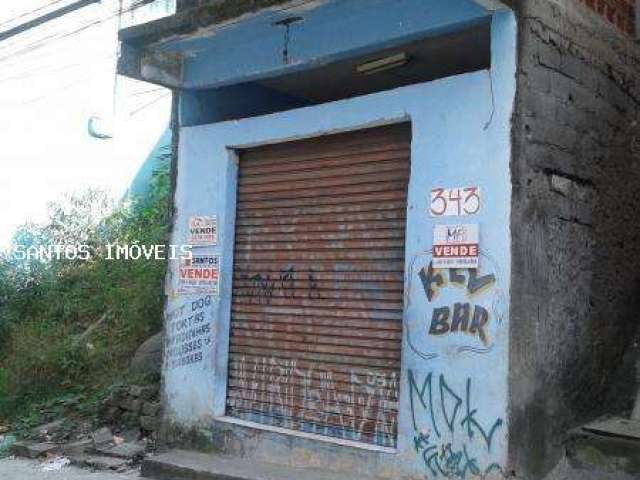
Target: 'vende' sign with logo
point(199, 274)
point(203, 231)
point(456, 246)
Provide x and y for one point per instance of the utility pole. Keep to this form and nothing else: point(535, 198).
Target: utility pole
point(72, 7)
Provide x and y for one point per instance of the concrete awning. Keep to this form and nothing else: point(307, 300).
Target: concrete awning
point(230, 42)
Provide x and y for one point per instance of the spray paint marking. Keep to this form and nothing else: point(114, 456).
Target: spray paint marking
point(452, 441)
point(360, 404)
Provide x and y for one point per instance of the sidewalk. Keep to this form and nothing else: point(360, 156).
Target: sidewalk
point(20, 469)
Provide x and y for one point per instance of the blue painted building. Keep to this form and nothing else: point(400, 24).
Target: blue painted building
point(330, 143)
point(156, 161)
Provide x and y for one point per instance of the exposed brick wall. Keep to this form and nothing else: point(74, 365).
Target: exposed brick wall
point(619, 12)
point(575, 287)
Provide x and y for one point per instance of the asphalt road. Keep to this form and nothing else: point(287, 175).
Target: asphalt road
point(18, 469)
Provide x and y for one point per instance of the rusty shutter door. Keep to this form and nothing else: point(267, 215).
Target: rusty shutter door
point(316, 322)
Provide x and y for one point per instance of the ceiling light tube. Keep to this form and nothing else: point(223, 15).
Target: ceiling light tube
point(382, 64)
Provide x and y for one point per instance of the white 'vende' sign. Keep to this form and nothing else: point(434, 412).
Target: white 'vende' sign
point(456, 246)
point(203, 231)
point(455, 202)
point(199, 274)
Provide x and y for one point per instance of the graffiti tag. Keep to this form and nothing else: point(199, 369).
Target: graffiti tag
point(447, 428)
point(263, 287)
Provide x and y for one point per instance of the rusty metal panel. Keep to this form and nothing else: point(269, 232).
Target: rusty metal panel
point(316, 317)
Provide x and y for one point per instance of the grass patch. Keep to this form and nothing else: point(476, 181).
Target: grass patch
point(69, 327)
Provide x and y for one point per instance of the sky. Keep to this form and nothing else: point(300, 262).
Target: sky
point(53, 79)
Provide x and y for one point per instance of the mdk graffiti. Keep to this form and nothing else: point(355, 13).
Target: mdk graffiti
point(449, 436)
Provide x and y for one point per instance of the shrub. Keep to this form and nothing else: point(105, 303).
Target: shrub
point(72, 325)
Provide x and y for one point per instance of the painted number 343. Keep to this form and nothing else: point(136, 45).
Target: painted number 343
point(455, 201)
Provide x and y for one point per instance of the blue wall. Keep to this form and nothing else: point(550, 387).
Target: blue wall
point(158, 158)
point(198, 107)
point(454, 388)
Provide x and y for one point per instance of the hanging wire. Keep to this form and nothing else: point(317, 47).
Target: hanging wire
point(60, 36)
point(118, 14)
point(34, 73)
point(31, 12)
point(148, 104)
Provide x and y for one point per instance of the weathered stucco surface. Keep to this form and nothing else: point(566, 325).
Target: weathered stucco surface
point(453, 401)
point(575, 223)
point(573, 227)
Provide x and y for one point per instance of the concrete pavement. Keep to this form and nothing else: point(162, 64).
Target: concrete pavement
point(20, 469)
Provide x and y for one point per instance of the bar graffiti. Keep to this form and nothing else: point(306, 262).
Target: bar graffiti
point(464, 312)
point(459, 317)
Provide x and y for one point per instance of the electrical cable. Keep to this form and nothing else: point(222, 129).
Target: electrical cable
point(37, 45)
point(152, 102)
point(60, 36)
point(146, 92)
point(52, 93)
point(44, 42)
point(31, 12)
point(135, 4)
point(39, 57)
point(39, 72)
point(29, 25)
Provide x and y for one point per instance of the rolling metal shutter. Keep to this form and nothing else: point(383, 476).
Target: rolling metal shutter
point(316, 322)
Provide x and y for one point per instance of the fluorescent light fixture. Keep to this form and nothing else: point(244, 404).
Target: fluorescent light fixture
point(382, 64)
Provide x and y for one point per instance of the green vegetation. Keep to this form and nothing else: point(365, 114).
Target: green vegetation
point(69, 327)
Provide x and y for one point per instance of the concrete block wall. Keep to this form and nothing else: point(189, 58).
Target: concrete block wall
point(575, 225)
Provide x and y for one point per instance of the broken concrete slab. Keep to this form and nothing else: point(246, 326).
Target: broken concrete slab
point(588, 449)
point(77, 447)
point(101, 437)
point(33, 450)
point(100, 462)
point(128, 451)
point(130, 435)
point(615, 427)
point(48, 429)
